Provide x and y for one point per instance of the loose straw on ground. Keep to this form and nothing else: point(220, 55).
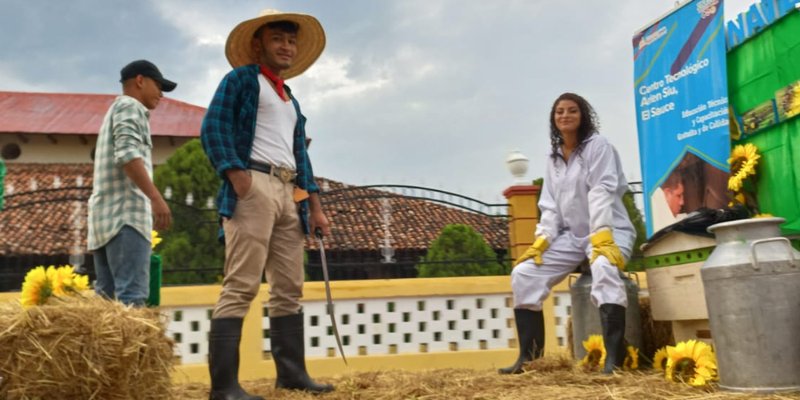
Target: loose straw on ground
point(549, 378)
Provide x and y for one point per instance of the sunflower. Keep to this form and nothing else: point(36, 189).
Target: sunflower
point(743, 162)
point(60, 279)
point(660, 359)
point(595, 353)
point(631, 359)
point(738, 198)
point(36, 288)
point(80, 282)
point(154, 239)
point(66, 281)
point(692, 362)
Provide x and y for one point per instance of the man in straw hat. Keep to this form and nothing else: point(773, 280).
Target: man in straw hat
point(254, 135)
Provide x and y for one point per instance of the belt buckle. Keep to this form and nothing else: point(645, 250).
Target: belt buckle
point(285, 174)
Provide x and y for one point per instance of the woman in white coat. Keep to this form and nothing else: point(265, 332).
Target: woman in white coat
point(582, 216)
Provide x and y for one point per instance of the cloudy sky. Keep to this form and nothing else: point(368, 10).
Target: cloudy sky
point(425, 92)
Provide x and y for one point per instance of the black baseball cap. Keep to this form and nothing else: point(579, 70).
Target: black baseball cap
point(148, 69)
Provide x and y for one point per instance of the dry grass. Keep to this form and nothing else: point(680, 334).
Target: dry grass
point(83, 348)
point(550, 378)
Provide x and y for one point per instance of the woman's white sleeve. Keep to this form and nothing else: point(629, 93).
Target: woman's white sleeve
point(603, 180)
point(549, 218)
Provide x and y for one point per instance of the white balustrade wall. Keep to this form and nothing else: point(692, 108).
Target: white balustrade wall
point(380, 326)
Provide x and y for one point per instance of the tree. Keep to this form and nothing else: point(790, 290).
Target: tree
point(190, 251)
point(459, 251)
point(636, 261)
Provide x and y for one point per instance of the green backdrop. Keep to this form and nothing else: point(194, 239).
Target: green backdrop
point(758, 68)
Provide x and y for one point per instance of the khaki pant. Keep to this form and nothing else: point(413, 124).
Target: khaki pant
point(263, 237)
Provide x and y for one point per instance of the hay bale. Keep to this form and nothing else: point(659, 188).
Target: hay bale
point(84, 348)
point(655, 334)
point(570, 338)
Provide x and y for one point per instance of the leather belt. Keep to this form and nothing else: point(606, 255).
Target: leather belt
point(284, 174)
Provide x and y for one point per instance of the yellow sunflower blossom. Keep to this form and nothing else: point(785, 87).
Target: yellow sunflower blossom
point(80, 282)
point(36, 288)
point(743, 162)
point(60, 278)
point(42, 283)
point(631, 359)
point(691, 362)
point(738, 198)
point(595, 353)
point(660, 359)
point(154, 239)
point(70, 281)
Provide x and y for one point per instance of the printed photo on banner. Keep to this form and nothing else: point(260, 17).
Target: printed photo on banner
point(691, 185)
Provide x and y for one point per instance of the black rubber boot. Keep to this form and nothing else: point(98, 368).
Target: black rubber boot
point(530, 333)
point(288, 350)
point(223, 360)
point(612, 318)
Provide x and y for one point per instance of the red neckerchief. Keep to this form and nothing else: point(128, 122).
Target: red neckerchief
point(275, 79)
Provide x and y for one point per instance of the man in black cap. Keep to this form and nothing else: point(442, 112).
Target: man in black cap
point(125, 205)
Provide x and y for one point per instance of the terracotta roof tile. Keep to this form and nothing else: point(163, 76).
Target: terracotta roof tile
point(355, 214)
point(82, 114)
point(46, 227)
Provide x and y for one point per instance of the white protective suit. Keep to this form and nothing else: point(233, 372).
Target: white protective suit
point(578, 198)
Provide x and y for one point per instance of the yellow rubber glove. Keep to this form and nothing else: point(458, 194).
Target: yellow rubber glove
point(535, 251)
point(603, 245)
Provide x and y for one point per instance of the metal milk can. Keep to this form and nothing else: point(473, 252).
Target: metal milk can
point(586, 316)
point(752, 289)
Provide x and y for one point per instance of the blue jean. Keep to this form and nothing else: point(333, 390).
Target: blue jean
point(123, 267)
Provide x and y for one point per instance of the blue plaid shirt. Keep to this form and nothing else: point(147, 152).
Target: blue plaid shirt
point(228, 131)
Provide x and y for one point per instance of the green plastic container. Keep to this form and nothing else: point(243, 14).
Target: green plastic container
point(154, 300)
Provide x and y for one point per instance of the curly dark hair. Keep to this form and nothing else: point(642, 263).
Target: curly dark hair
point(589, 123)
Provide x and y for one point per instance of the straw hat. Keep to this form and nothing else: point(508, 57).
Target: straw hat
point(310, 41)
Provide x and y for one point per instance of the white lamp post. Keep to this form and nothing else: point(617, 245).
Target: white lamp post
point(518, 166)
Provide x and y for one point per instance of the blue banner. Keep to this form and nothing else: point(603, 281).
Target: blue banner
point(682, 112)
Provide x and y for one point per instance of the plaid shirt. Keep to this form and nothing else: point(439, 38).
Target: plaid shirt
point(228, 131)
point(116, 201)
